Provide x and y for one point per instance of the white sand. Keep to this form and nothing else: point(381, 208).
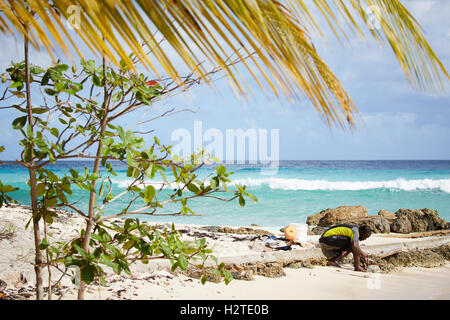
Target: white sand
point(17, 254)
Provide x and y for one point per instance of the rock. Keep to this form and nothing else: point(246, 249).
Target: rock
point(226, 230)
point(447, 225)
point(247, 276)
point(318, 231)
point(3, 285)
point(422, 219)
point(294, 265)
point(401, 225)
point(443, 251)
point(18, 285)
point(435, 222)
point(416, 218)
point(336, 216)
point(318, 262)
point(313, 220)
point(417, 258)
point(238, 268)
point(244, 230)
point(235, 268)
point(210, 228)
point(272, 270)
point(196, 274)
point(251, 267)
point(387, 214)
point(240, 230)
point(377, 224)
point(427, 258)
point(307, 264)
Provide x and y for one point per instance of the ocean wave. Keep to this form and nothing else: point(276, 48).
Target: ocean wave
point(310, 185)
point(127, 182)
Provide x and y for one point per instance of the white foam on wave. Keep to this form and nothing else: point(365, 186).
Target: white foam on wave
point(311, 185)
point(301, 184)
point(127, 182)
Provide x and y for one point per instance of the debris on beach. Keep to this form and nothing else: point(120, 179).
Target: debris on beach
point(240, 230)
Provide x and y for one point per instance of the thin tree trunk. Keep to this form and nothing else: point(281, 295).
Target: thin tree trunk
point(49, 291)
point(32, 173)
point(93, 194)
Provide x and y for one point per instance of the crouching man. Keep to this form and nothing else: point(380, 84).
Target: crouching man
point(338, 241)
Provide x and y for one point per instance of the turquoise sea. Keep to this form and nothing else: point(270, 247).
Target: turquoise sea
point(292, 191)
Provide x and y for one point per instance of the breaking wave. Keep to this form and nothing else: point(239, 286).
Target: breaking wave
point(311, 185)
point(301, 184)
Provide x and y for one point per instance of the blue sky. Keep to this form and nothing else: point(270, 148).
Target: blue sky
point(398, 122)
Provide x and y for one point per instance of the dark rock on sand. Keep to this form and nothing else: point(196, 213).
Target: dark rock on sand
point(209, 276)
point(443, 251)
point(318, 230)
point(210, 228)
point(271, 270)
point(377, 224)
point(401, 225)
point(246, 276)
point(342, 213)
point(294, 265)
point(2, 285)
point(422, 219)
point(390, 216)
point(307, 264)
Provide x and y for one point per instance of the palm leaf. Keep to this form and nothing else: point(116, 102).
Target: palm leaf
point(284, 56)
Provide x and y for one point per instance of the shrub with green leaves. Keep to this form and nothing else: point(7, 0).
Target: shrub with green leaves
point(79, 118)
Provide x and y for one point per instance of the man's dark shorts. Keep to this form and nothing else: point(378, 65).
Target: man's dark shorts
point(333, 246)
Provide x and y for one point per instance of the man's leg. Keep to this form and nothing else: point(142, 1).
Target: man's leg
point(335, 248)
point(357, 258)
point(331, 253)
point(334, 261)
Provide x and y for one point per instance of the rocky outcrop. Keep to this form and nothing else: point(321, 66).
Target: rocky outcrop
point(377, 224)
point(272, 270)
point(390, 216)
point(352, 215)
point(208, 274)
point(401, 225)
point(417, 258)
point(340, 214)
point(435, 222)
point(422, 219)
point(313, 220)
point(402, 221)
point(443, 251)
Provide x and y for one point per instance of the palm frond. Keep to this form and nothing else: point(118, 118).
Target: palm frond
point(285, 59)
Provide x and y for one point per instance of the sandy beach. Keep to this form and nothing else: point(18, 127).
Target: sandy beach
point(155, 281)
